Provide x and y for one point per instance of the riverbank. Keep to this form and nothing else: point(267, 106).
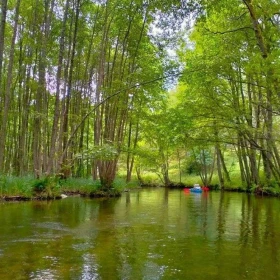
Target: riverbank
point(45, 196)
point(51, 188)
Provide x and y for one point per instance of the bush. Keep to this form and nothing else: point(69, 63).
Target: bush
point(47, 187)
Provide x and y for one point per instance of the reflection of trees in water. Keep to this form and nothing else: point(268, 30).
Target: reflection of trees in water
point(246, 229)
point(127, 198)
point(204, 208)
point(104, 244)
point(258, 237)
point(145, 233)
point(271, 231)
point(243, 227)
point(166, 192)
point(107, 205)
point(226, 219)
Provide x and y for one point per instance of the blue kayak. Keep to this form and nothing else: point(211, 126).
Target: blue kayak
point(196, 190)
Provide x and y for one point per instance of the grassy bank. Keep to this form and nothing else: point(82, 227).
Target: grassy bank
point(26, 188)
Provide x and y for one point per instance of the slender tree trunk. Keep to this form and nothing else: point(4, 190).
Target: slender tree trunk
point(130, 156)
point(7, 98)
point(219, 168)
point(2, 45)
point(165, 168)
point(98, 118)
point(2, 38)
point(25, 116)
point(65, 161)
point(37, 125)
point(55, 126)
point(257, 27)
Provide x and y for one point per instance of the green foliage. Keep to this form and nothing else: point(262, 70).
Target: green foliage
point(225, 68)
point(79, 185)
point(192, 167)
point(46, 188)
point(132, 184)
point(151, 178)
point(119, 184)
point(105, 72)
point(270, 188)
point(104, 152)
point(10, 185)
point(253, 188)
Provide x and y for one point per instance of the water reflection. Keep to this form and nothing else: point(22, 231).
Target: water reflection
point(147, 234)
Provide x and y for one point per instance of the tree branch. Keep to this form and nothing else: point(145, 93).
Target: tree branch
point(228, 31)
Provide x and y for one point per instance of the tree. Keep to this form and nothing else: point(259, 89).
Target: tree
point(235, 79)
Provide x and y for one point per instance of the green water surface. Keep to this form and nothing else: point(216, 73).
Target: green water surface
point(146, 234)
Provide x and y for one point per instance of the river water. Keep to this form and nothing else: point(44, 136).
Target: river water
point(146, 234)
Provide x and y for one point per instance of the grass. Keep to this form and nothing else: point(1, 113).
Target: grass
point(120, 184)
point(81, 185)
point(51, 187)
point(12, 186)
point(25, 186)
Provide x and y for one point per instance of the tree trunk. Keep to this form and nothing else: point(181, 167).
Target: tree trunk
point(257, 28)
point(2, 38)
point(52, 165)
point(7, 98)
point(2, 45)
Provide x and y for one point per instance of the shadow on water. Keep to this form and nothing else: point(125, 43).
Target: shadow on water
point(147, 234)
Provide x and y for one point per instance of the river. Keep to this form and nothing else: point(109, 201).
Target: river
point(145, 234)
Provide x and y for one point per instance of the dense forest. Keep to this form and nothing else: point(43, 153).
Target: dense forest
point(92, 87)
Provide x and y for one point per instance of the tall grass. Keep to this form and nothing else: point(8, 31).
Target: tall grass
point(120, 184)
point(81, 185)
point(28, 186)
point(11, 186)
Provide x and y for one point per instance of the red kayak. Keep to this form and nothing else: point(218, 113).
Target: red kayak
point(186, 190)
